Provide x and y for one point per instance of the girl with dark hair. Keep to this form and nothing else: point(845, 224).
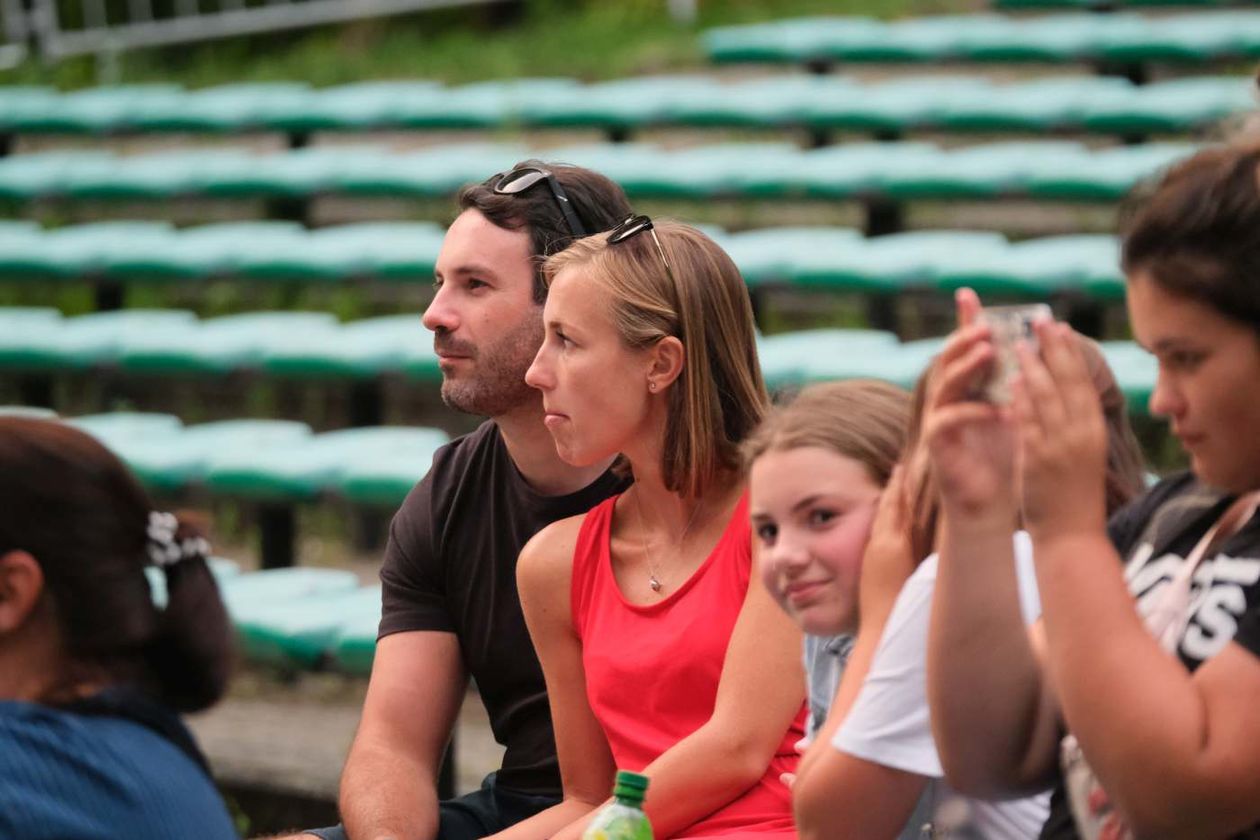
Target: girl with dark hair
point(1148, 652)
point(91, 671)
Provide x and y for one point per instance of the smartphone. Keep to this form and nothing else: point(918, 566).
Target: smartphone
point(1010, 325)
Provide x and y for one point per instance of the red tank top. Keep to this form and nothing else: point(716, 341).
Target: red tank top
point(652, 670)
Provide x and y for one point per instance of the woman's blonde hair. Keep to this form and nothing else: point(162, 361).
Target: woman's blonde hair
point(700, 299)
point(862, 419)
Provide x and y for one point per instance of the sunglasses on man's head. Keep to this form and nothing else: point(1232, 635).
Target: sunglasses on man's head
point(632, 227)
point(519, 180)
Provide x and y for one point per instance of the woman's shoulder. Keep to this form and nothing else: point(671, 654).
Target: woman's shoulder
point(551, 551)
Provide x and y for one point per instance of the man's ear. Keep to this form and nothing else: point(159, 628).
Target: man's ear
point(21, 585)
point(668, 358)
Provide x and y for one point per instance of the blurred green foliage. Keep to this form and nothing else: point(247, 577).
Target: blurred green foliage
point(587, 39)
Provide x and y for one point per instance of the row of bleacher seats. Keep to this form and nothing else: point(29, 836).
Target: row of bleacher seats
point(1120, 38)
point(299, 618)
point(1047, 170)
point(1111, 5)
point(838, 259)
point(312, 345)
point(1103, 105)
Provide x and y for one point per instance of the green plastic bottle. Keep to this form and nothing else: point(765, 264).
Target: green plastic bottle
point(623, 818)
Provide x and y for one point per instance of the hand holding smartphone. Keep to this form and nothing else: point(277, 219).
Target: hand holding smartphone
point(1010, 325)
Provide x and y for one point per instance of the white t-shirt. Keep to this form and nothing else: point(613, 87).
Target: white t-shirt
point(889, 722)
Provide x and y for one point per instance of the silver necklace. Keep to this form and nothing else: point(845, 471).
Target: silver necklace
point(654, 580)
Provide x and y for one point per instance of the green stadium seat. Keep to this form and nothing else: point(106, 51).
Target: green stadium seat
point(901, 365)
point(84, 341)
point(393, 250)
point(767, 256)
point(46, 174)
point(384, 477)
point(218, 345)
point(1038, 268)
point(1195, 38)
point(786, 357)
point(301, 632)
point(431, 173)
point(305, 468)
point(1106, 175)
point(162, 175)
point(1135, 370)
point(360, 350)
point(840, 172)
point(780, 102)
point(77, 252)
point(1174, 105)
point(225, 108)
point(1068, 37)
point(244, 593)
point(354, 647)
point(19, 101)
point(203, 252)
point(625, 103)
point(896, 105)
point(118, 428)
point(1055, 104)
point(788, 41)
point(94, 111)
point(888, 264)
point(357, 106)
point(978, 172)
point(170, 464)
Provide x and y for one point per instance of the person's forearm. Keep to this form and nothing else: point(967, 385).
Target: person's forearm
point(1135, 710)
point(698, 775)
point(385, 795)
point(984, 681)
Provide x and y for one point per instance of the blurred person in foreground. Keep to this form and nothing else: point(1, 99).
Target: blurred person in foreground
point(1148, 651)
point(92, 672)
point(450, 608)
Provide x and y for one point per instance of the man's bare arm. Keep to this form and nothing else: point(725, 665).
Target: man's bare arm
point(389, 785)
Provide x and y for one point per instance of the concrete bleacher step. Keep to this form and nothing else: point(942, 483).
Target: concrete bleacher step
point(1037, 170)
point(948, 103)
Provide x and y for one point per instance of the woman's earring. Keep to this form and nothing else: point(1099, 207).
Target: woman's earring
point(652, 387)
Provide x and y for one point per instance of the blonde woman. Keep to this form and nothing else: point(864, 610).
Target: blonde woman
point(660, 652)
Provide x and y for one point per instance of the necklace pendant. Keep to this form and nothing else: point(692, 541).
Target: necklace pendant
point(654, 583)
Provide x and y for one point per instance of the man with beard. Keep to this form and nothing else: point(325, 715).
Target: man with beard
point(450, 608)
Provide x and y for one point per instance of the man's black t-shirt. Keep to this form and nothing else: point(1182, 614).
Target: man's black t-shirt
point(1154, 534)
point(450, 566)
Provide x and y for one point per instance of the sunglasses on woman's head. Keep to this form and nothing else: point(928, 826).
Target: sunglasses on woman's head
point(519, 180)
point(632, 227)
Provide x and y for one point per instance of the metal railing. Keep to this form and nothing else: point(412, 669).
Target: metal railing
point(110, 30)
point(14, 33)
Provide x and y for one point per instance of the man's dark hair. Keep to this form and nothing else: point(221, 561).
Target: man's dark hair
point(598, 201)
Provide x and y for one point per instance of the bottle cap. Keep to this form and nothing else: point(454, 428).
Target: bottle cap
point(630, 785)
